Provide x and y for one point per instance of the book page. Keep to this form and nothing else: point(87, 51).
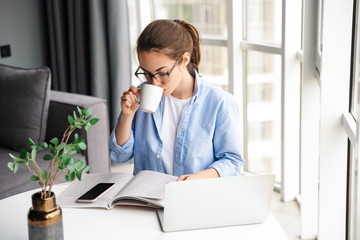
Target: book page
point(68, 197)
point(147, 184)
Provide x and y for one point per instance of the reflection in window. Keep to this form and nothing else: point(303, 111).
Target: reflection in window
point(263, 90)
point(214, 65)
point(209, 17)
point(263, 21)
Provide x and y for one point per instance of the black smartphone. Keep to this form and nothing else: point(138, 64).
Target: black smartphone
point(96, 192)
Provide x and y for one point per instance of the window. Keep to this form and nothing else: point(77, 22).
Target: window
point(209, 17)
point(250, 49)
point(353, 210)
point(242, 52)
point(263, 91)
point(263, 21)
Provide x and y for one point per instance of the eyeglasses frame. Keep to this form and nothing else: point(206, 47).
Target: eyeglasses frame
point(159, 73)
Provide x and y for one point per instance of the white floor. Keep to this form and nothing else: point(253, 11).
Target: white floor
point(287, 214)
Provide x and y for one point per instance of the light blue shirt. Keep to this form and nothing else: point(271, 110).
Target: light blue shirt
point(208, 136)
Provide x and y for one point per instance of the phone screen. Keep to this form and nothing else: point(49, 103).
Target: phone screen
point(94, 193)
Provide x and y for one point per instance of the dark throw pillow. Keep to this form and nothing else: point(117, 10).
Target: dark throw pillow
point(24, 105)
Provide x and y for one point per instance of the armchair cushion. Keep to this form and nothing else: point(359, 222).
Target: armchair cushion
point(24, 114)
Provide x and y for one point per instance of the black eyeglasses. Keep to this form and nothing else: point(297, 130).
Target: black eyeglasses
point(160, 76)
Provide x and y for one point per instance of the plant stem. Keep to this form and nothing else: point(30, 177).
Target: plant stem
point(65, 133)
point(50, 181)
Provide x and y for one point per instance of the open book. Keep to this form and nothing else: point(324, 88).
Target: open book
point(147, 188)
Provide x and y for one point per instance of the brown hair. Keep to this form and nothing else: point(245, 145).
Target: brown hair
point(172, 38)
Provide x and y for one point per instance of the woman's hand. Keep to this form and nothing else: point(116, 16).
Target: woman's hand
point(129, 104)
point(208, 173)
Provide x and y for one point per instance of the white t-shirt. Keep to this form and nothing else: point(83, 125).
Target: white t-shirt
point(173, 108)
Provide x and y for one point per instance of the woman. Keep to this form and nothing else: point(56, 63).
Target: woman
point(194, 133)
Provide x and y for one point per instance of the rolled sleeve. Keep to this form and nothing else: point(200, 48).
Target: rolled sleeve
point(227, 140)
point(121, 154)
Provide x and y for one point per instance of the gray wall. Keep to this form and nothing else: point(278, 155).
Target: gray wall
point(22, 25)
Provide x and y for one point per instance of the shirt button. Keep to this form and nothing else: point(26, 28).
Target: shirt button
point(157, 156)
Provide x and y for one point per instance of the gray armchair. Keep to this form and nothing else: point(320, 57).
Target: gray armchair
point(30, 109)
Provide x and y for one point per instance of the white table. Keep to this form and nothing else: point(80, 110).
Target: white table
point(121, 223)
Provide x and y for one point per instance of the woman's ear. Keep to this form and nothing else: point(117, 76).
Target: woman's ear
point(186, 59)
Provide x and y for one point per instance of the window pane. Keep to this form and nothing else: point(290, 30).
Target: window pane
point(214, 65)
point(208, 16)
point(263, 21)
point(263, 88)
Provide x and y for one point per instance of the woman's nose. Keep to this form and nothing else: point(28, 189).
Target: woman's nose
point(155, 81)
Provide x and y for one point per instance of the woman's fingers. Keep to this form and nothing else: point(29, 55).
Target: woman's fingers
point(182, 178)
point(134, 90)
point(129, 105)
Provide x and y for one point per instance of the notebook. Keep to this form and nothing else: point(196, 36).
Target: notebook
point(216, 202)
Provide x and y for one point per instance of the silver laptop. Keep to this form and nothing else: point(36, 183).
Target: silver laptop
point(216, 202)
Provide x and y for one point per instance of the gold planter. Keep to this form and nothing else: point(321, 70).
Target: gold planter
point(45, 218)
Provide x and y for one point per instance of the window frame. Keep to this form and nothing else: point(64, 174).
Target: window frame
point(351, 125)
point(236, 45)
point(334, 99)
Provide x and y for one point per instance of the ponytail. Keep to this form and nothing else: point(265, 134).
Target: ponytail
point(195, 54)
point(172, 38)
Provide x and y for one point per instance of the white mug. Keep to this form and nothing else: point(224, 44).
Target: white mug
point(150, 97)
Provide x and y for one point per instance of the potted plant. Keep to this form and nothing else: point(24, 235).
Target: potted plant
point(45, 216)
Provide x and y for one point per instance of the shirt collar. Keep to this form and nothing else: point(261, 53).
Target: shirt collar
point(197, 87)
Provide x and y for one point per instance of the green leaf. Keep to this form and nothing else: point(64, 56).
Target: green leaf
point(55, 141)
point(67, 176)
point(33, 153)
point(16, 167)
point(61, 146)
point(79, 164)
point(89, 111)
point(71, 150)
point(93, 121)
point(72, 161)
point(48, 157)
point(23, 153)
point(86, 169)
point(76, 137)
point(70, 119)
point(66, 158)
point(30, 141)
point(43, 145)
point(43, 174)
point(72, 176)
point(38, 148)
point(52, 149)
point(75, 116)
point(79, 110)
point(71, 167)
point(20, 160)
point(79, 174)
point(82, 145)
point(12, 156)
point(34, 178)
point(11, 166)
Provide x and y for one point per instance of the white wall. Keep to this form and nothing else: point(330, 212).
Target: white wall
point(23, 26)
